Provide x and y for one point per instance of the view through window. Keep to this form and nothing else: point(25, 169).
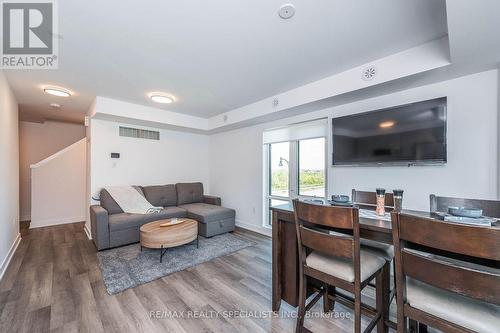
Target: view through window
point(279, 169)
point(312, 167)
point(295, 169)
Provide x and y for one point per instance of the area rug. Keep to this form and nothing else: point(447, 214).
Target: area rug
point(127, 267)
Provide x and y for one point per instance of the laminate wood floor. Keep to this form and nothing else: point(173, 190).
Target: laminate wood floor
point(54, 284)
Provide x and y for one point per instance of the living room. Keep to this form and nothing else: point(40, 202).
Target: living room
point(258, 166)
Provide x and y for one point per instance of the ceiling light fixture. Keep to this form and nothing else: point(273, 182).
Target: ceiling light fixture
point(386, 124)
point(60, 92)
point(163, 99)
point(55, 105)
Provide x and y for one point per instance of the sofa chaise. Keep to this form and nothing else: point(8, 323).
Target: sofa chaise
point(111, 227)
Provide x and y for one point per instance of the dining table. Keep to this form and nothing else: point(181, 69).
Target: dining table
point(285, 263)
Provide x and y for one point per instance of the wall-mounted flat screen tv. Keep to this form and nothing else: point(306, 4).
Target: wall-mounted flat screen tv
point(407, 134)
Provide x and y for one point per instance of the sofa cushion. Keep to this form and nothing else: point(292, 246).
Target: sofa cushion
point(161, 196)
point(206, 213)
point(189, 193)
point(108, 203)
point(123, 221)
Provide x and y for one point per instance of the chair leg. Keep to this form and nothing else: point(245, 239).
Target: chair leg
point(413, 326)
point(393, 262)
point(328, 304)
point(357, 312)
point(422, 328)
point(383, 291)
point(302, 304)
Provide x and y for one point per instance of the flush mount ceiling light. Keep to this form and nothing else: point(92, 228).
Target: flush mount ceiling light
point(55, 105)
point(60, 92)
point(160, 98)
point(386, 124)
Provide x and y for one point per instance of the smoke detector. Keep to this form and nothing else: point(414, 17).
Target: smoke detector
point(286, 11)
point(369, 73)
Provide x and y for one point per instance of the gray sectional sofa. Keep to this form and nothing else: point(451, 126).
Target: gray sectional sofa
point(111, 227)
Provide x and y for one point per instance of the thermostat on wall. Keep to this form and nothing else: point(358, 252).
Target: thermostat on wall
point(115, 155)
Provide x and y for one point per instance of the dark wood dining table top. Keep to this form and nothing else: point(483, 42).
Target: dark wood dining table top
point(379, 225)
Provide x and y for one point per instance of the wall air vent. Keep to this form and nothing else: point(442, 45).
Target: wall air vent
point(369, 73)
point(139, 133)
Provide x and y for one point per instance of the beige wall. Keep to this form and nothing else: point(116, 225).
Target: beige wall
point(9, 175)
point(37, 142)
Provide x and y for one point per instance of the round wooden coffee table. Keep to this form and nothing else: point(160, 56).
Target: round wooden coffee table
point(156, 236)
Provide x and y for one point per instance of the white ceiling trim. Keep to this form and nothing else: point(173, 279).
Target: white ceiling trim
point(419, 59)
point(112, 109)
point(425, 57)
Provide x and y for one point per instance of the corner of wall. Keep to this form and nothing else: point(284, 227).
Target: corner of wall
point(498, 129)
point(9, 174)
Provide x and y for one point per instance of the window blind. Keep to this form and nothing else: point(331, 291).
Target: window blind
point(306, 130)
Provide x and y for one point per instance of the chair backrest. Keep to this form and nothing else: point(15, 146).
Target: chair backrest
point(440, 204)
point(445, 255)
point(314, 223)
point(368, 200)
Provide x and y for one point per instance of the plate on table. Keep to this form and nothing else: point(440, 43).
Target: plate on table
point(172, 222)
point(340, 198)
point(480, 221)
point(465, 212)
point(336, 203)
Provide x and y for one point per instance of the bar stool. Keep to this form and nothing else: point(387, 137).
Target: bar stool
point(440, 204)
point(368, 200)
point(330, 251)
point(448, 274)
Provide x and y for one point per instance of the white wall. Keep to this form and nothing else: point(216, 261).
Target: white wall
point(176, 157)
point(236, 158)
point(38, 141)
point(9, 174)
point(59, 187)
point(88, 185)
point(498, 129)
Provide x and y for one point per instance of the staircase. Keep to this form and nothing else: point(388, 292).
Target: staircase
point(58, 187)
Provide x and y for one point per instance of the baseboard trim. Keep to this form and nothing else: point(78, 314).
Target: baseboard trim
point(87, 232)
point(25, 218)
point(10, 254)
point(51, 222)
point(252, 227)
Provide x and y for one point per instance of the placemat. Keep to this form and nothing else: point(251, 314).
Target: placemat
point(370, 214)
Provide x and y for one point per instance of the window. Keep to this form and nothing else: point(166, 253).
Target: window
point(279, 157)
point(312, 167)
point(295, 164)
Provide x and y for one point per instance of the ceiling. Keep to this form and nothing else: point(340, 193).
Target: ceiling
point(214, 56)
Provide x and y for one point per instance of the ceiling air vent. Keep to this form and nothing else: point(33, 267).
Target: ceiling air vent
point(139, 133)
point(369, 73)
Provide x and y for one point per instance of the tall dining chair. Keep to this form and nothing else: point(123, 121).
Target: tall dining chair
point(368, 200)
point(438, 273)
point(330, 251)
point(440, 204)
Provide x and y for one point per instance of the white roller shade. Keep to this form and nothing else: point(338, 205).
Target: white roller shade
point(306, 130)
